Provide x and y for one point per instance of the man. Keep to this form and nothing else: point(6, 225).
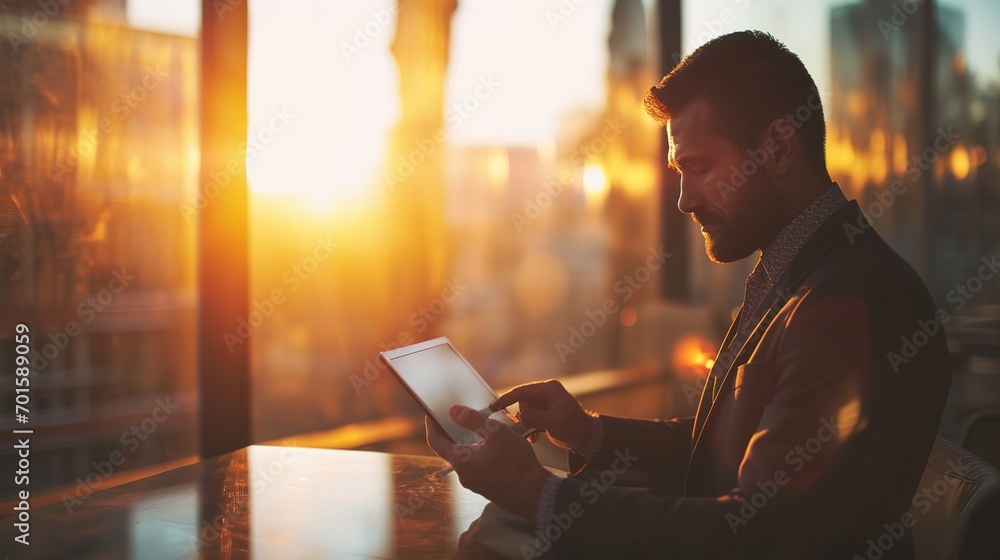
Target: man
point(812, 431)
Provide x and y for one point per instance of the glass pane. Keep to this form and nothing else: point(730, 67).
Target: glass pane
point(98, 158)
point(430, 183)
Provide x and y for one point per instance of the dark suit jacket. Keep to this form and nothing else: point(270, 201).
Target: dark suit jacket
point(813, 441)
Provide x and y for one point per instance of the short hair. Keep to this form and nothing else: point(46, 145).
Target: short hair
point(748, 78)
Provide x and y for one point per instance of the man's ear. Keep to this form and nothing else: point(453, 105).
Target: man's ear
point(781, 143)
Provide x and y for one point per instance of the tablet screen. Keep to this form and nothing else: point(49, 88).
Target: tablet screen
point(440, 378)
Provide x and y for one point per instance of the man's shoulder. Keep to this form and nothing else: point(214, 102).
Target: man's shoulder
point(866, 266)
point(866, 274)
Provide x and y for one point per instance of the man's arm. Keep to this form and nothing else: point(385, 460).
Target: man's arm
point(665, 446)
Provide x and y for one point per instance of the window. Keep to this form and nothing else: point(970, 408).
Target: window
point(98, 158)
point(479, 171)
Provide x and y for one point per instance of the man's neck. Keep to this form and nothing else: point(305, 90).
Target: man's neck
point(799, 199)
point(782, 248)
point(814, 187)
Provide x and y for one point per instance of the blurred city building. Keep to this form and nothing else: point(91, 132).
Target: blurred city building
point(98, 149)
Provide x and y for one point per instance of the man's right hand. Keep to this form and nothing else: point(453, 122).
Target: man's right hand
point(547, 406)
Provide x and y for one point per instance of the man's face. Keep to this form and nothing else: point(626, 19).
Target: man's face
point(738, 212)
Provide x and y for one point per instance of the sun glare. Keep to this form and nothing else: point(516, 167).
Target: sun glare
point(333, 71)
point(693, 357)
point(595, 184)
point(338, 104)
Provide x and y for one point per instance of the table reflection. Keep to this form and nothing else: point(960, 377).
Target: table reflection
point(266, 502)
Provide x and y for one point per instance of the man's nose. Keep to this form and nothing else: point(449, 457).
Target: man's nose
point(690, 197)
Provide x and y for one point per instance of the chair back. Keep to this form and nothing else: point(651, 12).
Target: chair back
point(956, 507)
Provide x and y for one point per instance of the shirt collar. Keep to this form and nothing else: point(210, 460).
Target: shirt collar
point(781, 250)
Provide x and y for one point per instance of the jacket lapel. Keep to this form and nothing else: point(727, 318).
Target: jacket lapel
point(829, 235)
point(707, 392)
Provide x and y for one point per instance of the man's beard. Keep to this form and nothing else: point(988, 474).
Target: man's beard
point(753, 222)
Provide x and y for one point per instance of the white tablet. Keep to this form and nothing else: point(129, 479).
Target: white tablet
point(438, 377)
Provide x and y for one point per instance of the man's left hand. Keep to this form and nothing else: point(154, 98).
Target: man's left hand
point(502, 467)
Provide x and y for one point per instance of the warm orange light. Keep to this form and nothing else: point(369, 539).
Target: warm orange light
point(628, 316)
point(693, 357)
point(859, 172)
point(594, 184)
point(979, 155)
point(843, 161)
point(959, 64)
point(959, 162)
point(856, 104)
point(639, 178)
point(835, 151)
point(876, 147)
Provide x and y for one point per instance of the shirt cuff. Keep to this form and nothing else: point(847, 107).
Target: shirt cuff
point(547, 503)
point(593, 445)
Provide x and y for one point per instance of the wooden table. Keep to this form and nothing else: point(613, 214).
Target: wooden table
point(265, 502)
